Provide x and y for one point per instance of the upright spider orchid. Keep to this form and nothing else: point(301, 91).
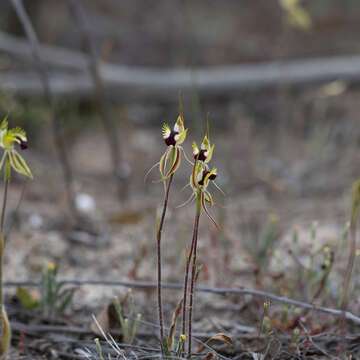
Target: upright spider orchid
point(202, 175)
point(199, 182)
point(11, 158)
point(173, 138)
point(168, 164)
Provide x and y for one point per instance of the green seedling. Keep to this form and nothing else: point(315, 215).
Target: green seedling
point(128, 325)
point(54, 298)
point(98, 349)
point(10, 160)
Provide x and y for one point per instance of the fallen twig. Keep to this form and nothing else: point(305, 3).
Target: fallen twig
point(144, 83)
point(220, 291)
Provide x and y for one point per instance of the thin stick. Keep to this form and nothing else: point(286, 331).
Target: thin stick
point(207, 289)
point(159, 233)
point(44, 77)
point(99, 90)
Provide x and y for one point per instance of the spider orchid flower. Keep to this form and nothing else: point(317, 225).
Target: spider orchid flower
point(199, 181)
point(173, 138)
point(206, 150)
point(11, 158)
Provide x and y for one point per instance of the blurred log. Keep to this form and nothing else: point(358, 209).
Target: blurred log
point(140, 83)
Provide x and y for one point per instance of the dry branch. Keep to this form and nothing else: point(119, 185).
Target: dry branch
point(143, 83)
point(110, 125)
point(220, 291)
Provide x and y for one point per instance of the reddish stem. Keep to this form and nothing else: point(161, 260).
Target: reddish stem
point(159, 233)
point(192, 283)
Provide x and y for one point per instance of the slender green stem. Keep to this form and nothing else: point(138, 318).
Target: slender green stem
point(159, 233)
point(193, 270)
point(6, 185)
point(1, 287)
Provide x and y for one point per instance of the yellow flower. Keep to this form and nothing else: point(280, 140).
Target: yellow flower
point(50, 266)
point(8, 139)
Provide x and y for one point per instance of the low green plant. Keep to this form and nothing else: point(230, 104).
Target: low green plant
point(53, 297)
point(10, 160)
point(128, 324)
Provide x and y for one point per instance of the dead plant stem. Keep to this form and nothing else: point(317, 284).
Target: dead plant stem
point(99, 91)
point(56, 124)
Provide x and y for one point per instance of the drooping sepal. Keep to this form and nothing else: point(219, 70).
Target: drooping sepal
point(19, 164)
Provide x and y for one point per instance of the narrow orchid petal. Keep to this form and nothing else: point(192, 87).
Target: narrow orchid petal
point(188, 201)
point(176, 162)
point(180, 138)
point(209, 198)
point(19, 164)
point(184, 187)
point(149, 171)
point(23, 164)
point(163, 162)
point(203, 203)
point(185, 156)
point(2, 160)
point(194, 175)
point(219, 188)
point(195, 149)
point(209, 153)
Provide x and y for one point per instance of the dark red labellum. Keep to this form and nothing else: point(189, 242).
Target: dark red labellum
point(171, 139)
point(23, 144)
point(211, 177)
point(202, 156)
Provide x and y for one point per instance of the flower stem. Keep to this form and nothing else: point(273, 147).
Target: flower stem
point(186, 277)
point(6, 185)
point(193, 270)
point(159, 233)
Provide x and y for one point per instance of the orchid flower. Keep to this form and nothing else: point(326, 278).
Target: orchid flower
point(199, 181)
point(173, 139)
point(12, 159)
point(206, 150)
